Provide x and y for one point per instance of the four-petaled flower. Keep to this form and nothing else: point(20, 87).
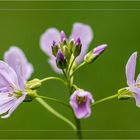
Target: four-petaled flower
point(134, 86)
point(80, 101)
point(82, 31)
point(14, 73)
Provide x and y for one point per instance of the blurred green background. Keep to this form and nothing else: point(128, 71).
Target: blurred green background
point(114, 23)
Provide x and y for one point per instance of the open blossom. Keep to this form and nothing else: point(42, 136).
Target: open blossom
point(80, 101)
point(79, 30)
point(133, 85)
point(14, 73)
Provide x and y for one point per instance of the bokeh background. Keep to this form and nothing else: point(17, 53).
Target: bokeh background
point(114, 23)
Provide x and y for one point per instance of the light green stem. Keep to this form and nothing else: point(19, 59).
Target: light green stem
point(54, 112)
point(53, 78)
point(105, 99)
point(79, 66)
point(71, 64)
point(53, 99)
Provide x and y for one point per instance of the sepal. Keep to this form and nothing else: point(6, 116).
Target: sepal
point(124, 94)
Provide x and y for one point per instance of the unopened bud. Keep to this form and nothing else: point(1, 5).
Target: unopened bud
point(63, 37)
point(77, 47)
point(67, 52)
point(54, 48)
point(60, 60)
point(92, 55)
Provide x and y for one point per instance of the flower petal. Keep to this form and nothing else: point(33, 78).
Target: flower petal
point(130, 69)
point(81, 110)
point(5, 107)
point(134, 89)
point(15, 105)
point(138, 79)
point(18, 61)
point(47, 38)
point(52, 62)
point(8, 77)
point(84, 32)
point(137, 99)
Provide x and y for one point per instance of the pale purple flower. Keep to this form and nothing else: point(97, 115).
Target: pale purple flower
point(14, 73)
point(100, 49)
point(79, 30)
point(80, 101)
point(134, 86)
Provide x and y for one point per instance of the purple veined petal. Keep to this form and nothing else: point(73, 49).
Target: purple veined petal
point(52, 62)
point(17, 60)
point(138, 79)
point(88, 107)
point(5, 99)
point(15, 105)
point(84, 32)
point(5, 107)
point(8, 77)
point(81, 112)
point(47, 39)
point(130, 69)
point(137, 99)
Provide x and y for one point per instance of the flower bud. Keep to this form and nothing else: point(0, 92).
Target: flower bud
point(60, 60)
point(63, 37)
point(71, 44)
point(124, 94)
point(54, 48)
point(77, 47)
point(33, 84)
point(67, 52)
point(92, 55)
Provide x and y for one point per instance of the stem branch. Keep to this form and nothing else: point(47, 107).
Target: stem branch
point(79, 66)
point(53, 78)
point(54, 112)
point(105, 99)
point(53, 99)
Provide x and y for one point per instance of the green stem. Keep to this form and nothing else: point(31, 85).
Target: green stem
point(79, 66)
point(71, 64)
point(75, 87)
point(105, 99)
point(65, 74)
point(78, 124)
point(53, 99)
point(53, 78)
point(77, 121)
point(54, 112)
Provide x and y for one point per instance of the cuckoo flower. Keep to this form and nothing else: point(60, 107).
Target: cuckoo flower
point(80, 101)
point(14, 73)
point(133, 86)
point(79, 30)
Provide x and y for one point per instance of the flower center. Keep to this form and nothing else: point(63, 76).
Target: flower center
point(80, 100)
point(137, 85)
point(17, 94)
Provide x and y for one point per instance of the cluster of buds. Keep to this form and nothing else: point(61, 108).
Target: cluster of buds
point(65, 49)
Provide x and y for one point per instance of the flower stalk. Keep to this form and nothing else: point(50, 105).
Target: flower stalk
point(54, 112)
